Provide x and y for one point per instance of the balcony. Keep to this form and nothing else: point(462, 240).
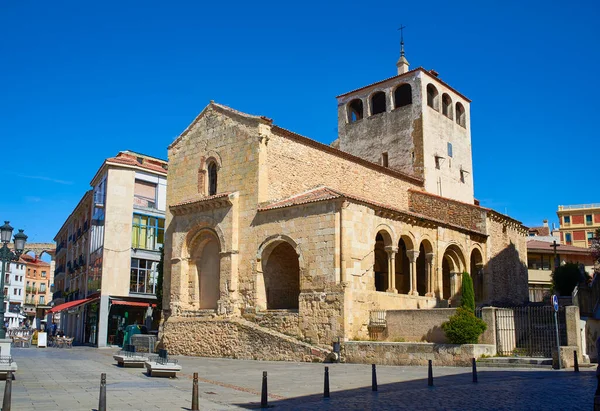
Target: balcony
point(28, 289)
point(58, 294)
point(144, 202)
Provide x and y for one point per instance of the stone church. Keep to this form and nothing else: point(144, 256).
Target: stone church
point(277, 238)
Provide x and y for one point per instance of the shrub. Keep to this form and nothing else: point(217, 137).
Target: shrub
point(565, 278)
point(463, 327)
point(468, 293)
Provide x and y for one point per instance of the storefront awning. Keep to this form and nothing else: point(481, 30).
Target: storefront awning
point(70, 304)
point(132, 303)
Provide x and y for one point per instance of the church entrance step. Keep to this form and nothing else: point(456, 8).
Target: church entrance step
point(515, 362)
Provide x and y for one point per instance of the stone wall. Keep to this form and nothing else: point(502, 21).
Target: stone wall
point(282, 321)
point(389, 353)
point(505, 273)
point(417, 325)
point(296, 166)
point(234, 338)
point(450, 211)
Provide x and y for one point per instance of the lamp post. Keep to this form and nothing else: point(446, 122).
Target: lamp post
point(6, 255)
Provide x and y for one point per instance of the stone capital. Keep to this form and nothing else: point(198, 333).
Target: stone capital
point(412, 255)
point(390, 249)
point(429, 257)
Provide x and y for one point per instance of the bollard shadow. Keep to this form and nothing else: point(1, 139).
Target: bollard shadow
point(494, 390)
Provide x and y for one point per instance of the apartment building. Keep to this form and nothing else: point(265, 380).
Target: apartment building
point(14, 293)
point(117, 253)
point(37, 289)
point(578, 223)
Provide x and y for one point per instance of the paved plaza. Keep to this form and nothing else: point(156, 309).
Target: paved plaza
point(69, 379)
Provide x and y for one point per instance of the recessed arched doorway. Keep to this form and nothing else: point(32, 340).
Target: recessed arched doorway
point(281, 273)
point(452, 266)
point(477, 275)
point(207, 262)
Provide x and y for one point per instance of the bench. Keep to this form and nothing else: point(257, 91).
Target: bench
point(7, 364)
point(162, 366)
point(128, 357)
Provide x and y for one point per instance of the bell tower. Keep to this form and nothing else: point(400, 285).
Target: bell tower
point(414, 123)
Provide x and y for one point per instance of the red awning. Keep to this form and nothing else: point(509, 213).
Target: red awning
point(131, 303)
point(70, 304)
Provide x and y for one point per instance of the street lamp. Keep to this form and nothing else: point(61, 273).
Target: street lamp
point(6, 255)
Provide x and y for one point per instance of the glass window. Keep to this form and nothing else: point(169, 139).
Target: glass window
point(449, 149)
point(144, 194)
point(14, 291)
point(43, 288)
point(148, 232)
point(42, 299)
point(590, 236)
point(567, 219)
point(143, 276)
point(568, 238)
point(43, 274)
point(588, 219)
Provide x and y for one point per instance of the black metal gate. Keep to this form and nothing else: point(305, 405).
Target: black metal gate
point(529, 331)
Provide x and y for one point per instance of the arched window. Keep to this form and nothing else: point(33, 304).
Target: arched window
point(447, 105)
point(432, 97)
point(355, 110)
point(212, 178)
point(460, 114)
point(378, 103)
point(403, 96)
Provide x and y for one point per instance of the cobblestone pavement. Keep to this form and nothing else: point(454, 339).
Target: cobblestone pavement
point(69, 379)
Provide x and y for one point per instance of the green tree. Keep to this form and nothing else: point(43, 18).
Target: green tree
point(565, 278)
point(468, 293)
point(463, 327)
point(159, 280)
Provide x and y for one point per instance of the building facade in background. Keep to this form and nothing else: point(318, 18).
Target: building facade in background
point(14, 293)
point(37, 289)
point(111, 264)
point(578, 223)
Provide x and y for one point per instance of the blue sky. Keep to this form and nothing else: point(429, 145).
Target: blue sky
point(81, 81)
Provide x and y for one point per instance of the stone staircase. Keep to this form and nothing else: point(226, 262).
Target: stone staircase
point(515, 362)
point(235, 338)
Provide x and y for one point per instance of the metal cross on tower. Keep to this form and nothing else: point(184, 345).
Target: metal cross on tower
point(401, 29)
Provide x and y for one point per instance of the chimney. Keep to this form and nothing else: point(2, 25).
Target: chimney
point(545, 223)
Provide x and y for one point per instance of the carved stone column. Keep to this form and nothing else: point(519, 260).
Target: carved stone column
point(429, 271)
point(479, 292)
point(412, 258)
point(391, 251)
point(453, 284)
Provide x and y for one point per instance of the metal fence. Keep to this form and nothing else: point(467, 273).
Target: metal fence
point(529, 331)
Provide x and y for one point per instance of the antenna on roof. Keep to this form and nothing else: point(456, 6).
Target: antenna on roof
point(402, 63)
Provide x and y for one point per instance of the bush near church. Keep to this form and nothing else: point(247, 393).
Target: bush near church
point(566, 277)
point(463, 327)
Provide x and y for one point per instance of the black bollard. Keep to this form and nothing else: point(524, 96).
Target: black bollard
point(326, 384)
point(7, 392)
point(374, 378)
point(264, 402)
point(575, 362)
point(102, 400)
point(430, 375)
point(474, 370)
point(195, 393)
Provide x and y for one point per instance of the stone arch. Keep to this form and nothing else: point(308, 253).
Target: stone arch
point(381, 268)
point(477, 273)
point(402, 95)
point(453, 264)
point(205, 269)
point(406, 244)
point(424, 267)
point(387, 233)
point(202, 224)
point(378, 102)
point(355, 110)
point(447, 105)
point(460, 115)
point(211, 157)
point(432, 97)
point(279, 268)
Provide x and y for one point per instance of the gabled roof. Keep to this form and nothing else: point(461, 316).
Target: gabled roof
point(223, 109)
point(421, 69)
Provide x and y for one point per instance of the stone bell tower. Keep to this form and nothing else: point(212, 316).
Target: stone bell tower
point(414, 123)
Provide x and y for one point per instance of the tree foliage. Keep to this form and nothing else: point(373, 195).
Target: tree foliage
point(468, 293)
point(463, 327)
point(595, 246)
point(565, 278)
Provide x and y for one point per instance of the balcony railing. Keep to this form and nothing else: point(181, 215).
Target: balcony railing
point(57, 294)
point(578, 206)
point(28, 289)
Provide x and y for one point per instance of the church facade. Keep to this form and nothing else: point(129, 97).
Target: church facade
point(273, 228)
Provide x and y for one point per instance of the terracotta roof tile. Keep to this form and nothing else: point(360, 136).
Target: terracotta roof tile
point(131, 161)
point(543, 230)
point(561, 249)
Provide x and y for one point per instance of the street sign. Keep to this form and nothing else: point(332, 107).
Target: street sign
point(555, 302)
